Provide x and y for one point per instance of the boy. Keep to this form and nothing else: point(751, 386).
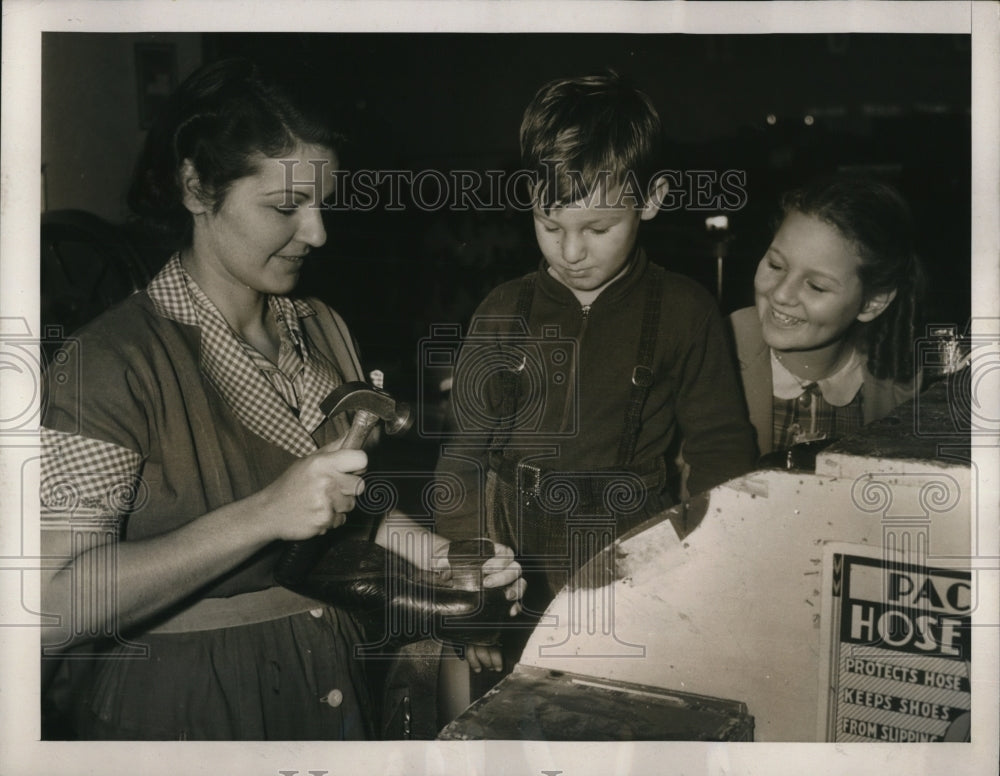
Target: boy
point(577, 384)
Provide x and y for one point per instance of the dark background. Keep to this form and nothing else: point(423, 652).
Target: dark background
point(895, 104)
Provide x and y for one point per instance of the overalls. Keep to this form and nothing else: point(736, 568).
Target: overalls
point(557, 520)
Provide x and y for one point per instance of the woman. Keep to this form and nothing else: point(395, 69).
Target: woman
point(198, 399)
point(828, 346)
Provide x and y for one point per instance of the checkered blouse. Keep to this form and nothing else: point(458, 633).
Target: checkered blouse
point(278, 402)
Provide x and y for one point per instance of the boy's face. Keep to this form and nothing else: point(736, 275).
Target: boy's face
point(587, 243)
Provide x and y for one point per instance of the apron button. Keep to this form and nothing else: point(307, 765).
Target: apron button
point(317, 613)
point(333, 698)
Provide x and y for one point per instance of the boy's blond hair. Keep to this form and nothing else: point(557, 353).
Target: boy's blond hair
point(586, 137)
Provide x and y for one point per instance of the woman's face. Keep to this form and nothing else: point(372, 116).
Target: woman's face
point(807, 288)
point(268, 222)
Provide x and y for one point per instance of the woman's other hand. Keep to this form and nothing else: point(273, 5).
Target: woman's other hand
point(480, 656)
point(502, 570)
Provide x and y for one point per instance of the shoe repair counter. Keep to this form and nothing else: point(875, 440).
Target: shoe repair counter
point(724, 607)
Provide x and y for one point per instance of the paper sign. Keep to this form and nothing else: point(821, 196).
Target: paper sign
point(898, 655)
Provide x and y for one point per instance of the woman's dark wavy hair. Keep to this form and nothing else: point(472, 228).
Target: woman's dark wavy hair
point(873, 216)
point(578, 133)
point(220, 118)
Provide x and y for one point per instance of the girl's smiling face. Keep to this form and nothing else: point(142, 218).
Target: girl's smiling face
point(268, 222)
point(807, 288)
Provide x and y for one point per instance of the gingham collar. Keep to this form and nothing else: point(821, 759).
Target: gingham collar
point(224, 361)
point(170, 296)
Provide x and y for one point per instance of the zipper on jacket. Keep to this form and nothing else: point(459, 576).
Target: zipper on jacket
point(571, 396)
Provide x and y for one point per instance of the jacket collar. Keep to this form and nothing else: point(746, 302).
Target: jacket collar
point(617, 290)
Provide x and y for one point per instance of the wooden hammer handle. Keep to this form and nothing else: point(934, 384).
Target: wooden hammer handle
point(364, 421)
point(298, 558)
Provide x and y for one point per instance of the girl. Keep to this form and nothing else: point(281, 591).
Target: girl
point(828, 346)
point(192, 442)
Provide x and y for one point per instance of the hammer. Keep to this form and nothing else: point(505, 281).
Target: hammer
point(370, 405)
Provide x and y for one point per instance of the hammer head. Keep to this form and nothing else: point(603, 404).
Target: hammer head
point(358, 395)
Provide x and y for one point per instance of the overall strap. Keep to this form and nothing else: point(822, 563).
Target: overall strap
point(510, 378)
point(525, 296)
point(642, 373)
